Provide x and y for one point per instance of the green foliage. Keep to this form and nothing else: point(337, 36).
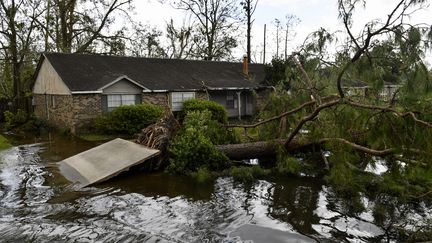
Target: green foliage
point(202, 175)
point(129, 119)
point(193, 147)
point(205, 122)
point(248, 174)
point(14, 120)
point(276, 73)
point(4, 143)
point(286, 164)
point(218, 112)
point(277, 103)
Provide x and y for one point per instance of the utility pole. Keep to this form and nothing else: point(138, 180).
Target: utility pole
point(264, 52)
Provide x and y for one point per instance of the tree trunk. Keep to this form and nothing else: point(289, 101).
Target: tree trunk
point(249, 27)
point(259, 149)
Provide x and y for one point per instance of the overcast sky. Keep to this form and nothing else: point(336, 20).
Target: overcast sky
point(313, 14)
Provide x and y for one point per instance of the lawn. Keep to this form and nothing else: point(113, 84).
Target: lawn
point(4, 143)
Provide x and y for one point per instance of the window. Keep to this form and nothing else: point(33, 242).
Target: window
point(53, 101)
point(115, 101)
point(177, 99)
point(231, 100)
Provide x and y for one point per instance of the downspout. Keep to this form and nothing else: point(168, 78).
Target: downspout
point(239, 104)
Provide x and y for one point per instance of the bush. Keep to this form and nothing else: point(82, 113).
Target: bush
point(14, 120)
point(202, 175)
point(4, 143)
point(217, 111)
point(193, 148)
point(248, 174)
point(129, 119)
point(210, 128)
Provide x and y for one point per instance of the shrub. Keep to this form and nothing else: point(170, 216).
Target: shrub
point(129, 119)
point(202, 175)
point(4, 143)
point(210, 128)
point(217, 111)
point(286, 164)
point(14, 120)
point(248, 174)
point(193, 148)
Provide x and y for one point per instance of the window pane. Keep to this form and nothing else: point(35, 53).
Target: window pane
point(188, 96)
point(177, 99)
point(128, 99)
point(114, 100)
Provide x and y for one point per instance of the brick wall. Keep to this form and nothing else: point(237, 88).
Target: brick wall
point(76, 112)
point(161, 99)
point(202, 95)
point(85, 109)
point(56, 109)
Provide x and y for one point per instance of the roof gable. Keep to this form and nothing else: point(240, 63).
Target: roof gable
point(48, 81)
point(84, 73)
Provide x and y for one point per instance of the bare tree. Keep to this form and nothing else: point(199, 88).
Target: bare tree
point(74, 26)
point(216, 24)
point(278, 26)
point(249, 6)
point(290, 21)
point(180, 40)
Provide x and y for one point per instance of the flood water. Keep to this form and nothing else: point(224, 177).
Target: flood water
point(38, 205)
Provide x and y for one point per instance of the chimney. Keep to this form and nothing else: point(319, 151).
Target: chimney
point(245, 65)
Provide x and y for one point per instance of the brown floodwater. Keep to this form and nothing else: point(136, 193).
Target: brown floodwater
point(38, 205)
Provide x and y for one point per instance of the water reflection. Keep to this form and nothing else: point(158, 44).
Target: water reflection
point(37, 204)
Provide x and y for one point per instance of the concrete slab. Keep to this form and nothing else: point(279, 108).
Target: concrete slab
point(105, 161)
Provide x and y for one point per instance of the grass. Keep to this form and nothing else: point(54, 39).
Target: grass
point(4, 143)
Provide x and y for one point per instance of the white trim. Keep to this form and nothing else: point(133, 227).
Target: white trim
point(231, 88)
point(155, 91)
point(121, 78)
point(87, 92)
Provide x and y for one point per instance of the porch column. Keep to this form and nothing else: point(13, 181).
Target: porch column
point(239, 104)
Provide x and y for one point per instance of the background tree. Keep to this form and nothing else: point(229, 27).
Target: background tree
point(277, 24)
point(180, 40)
point(77, 26)
point(249, 7)
point(290, 22)
point(216, 23)
point(18, 42)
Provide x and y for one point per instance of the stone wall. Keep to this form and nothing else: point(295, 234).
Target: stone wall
point(202, 95)
point(76, 112)
point(161, 99)
point(56, 109)
point(85, 109)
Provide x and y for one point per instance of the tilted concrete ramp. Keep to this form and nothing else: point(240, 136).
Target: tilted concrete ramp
point(105, 161)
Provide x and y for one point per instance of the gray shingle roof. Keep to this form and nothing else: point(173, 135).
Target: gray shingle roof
point(84, 72)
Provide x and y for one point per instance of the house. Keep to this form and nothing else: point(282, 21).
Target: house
point(71, 90)
point(357, 88)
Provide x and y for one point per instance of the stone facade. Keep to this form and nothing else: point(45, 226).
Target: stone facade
point(202, 95)
point(161, 99)
point(56, 109)
point(76, 112)
point(85, 109)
